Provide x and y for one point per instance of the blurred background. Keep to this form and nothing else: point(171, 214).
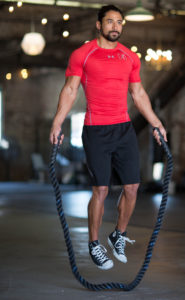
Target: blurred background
point(36, 40)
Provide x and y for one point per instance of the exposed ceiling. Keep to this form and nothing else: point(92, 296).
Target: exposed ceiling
point(167, 29)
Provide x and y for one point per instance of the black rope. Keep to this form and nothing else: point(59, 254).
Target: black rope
point(144, 267)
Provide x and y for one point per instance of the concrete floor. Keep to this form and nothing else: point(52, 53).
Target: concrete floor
point(34, 263)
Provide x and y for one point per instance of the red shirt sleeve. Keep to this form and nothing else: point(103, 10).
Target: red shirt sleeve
point(134, 75)
point(75, 65)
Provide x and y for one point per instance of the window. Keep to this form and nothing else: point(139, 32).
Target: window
point(1, 117)
point(76, 129)
point(3, 143)
point(158, 170)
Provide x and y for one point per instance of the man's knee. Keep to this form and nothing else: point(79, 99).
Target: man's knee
point(100, 192)
point(131, 189)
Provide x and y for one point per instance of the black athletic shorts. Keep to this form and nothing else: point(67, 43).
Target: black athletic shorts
point(111, 153)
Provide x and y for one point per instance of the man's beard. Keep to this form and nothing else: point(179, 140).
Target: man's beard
point(109, 37)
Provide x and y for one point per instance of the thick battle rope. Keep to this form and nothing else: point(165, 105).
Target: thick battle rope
point(144, 267)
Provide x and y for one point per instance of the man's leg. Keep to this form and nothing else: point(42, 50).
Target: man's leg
point(95, 214)
point(96, 210)
point(117, 239)
point(126, 204)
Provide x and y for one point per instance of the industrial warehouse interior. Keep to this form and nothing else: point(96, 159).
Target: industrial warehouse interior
point(36, 41)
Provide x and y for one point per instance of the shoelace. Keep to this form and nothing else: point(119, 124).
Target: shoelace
point(120, 243)
point(99, 251)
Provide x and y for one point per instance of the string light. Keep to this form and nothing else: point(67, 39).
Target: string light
point(159, 59)
point(19, 3)
point(148, 58)
point(139, 54)
point(66, 17)
point(8, 76)
point(24, 73)
point(11, 9)
point(134, 48)
point(44, 21)
point(65, 34)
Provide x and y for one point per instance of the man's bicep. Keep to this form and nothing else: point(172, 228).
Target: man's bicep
point(135, 87)
point(73, 81)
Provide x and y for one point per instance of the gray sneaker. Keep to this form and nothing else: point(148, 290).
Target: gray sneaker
point(117, 242)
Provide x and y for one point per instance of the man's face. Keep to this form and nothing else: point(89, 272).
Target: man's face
point(111, 26)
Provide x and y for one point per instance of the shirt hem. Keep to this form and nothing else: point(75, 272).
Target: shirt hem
point(68, 75)
point(132, 81)
point(103, 124)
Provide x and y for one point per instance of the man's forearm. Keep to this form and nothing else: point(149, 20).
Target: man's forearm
point(143, 104)
point(146, 110)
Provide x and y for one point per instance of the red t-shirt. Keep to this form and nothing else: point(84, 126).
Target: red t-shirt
point(105, 75)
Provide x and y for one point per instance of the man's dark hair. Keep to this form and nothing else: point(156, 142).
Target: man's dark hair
point(102, 12)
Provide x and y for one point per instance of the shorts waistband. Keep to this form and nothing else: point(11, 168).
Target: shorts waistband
point(107, 125)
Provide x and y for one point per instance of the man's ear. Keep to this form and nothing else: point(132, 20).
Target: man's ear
point(98, 25)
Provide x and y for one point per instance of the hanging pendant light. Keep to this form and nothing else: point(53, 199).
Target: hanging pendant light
point(139, 14)
point(33, 43)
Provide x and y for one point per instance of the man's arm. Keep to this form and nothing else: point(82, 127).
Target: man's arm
point(65, 103)
point(143, 104)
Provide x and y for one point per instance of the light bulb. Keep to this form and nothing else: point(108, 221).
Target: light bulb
point(65, 34)
point(134, 48)
point(8, 76)
point(44, 21)
point(66, 17)
point(19, 3)
point(11, 9)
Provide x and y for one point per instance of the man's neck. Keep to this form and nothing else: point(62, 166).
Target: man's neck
point(103, 43)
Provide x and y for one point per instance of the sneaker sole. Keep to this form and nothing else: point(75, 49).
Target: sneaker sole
point(115, 253)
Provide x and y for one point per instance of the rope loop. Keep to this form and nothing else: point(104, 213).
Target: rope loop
point(153, 238)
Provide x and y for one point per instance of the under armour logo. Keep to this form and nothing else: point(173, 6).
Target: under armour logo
point(122, 56)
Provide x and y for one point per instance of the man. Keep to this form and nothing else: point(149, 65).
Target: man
point(107, 69)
